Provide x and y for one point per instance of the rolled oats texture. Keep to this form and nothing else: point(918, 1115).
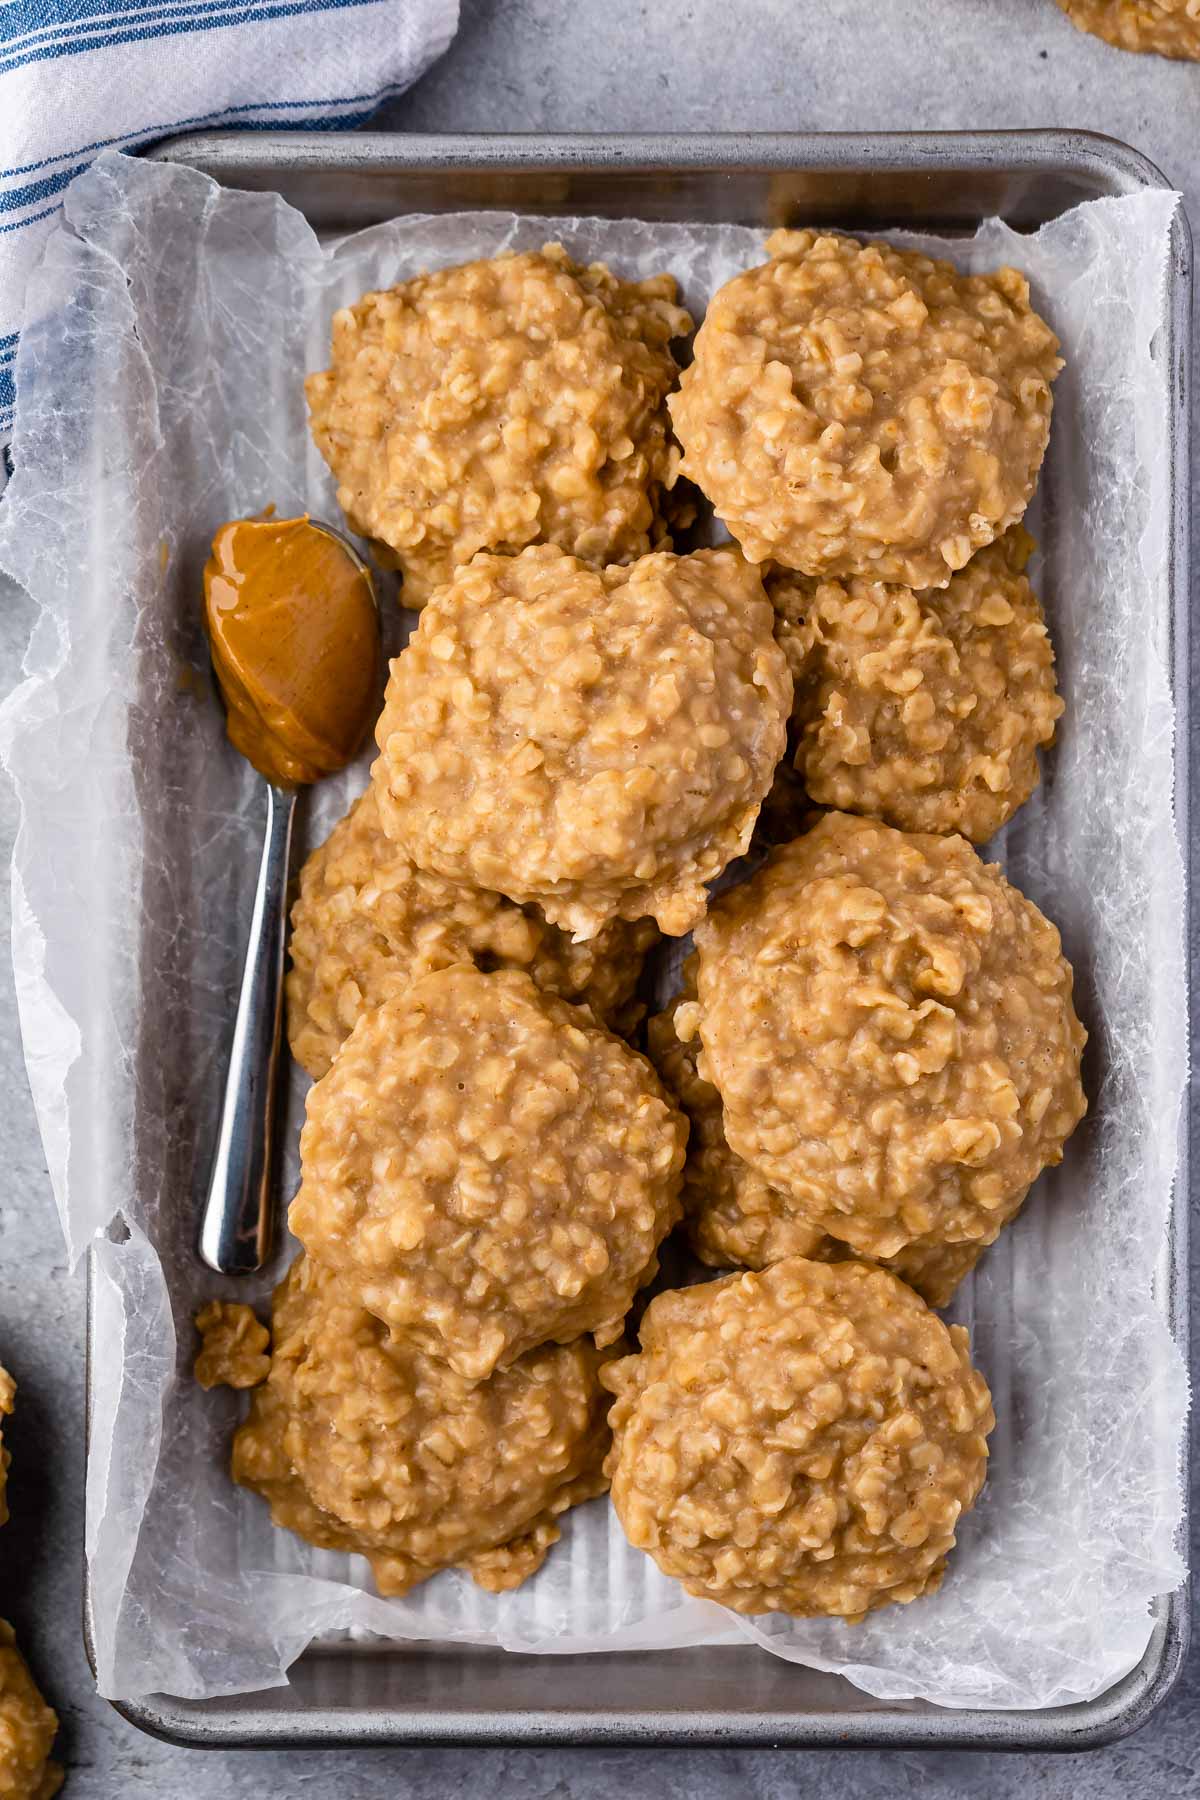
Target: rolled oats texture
point(924, 709)
point(27, 1725)
point(853, 409)
point(734, 1217)
point(802, 1441)
point(490, 1169)
point(27, 1729)
point(596, 741)
point(360, 1442)
point(233, 1346)
point(514, 400)
point(368, 923)
point(890, 1026)
point(1167, 27)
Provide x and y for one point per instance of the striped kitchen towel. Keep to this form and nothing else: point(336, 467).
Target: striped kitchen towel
point(79, 76)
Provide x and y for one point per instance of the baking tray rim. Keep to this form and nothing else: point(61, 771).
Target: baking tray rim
point(1024, 148)
point(1129, 1703)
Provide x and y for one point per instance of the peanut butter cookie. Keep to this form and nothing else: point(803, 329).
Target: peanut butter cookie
point(595, 741)
point(1167, 27)
point(889, 1024)
point(853, 409)
point(734, 1217)
point(368, 923)
point(516, 400)
point(360, 1442)
point(489, 1168)
point(803, 1440)
point(926, 710)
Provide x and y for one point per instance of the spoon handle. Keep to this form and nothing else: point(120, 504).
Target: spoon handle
point(236, 1226)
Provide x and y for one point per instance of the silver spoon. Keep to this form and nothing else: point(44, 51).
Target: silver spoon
point(237, 1225)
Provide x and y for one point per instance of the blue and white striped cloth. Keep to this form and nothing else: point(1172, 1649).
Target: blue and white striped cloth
point(81, 76)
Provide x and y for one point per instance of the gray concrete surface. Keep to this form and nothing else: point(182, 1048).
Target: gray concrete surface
point(609, 65)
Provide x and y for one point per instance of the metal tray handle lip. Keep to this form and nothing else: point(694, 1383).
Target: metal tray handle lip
point(1106, 1720)
point(1027, 148)
point(1126, 1707)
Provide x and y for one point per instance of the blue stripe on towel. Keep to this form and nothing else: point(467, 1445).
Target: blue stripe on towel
point(196, 19)
point(15, 198)
point(168, 127)
point(115, 20)
point(47, 212)
point(23, 16)
point(28, 18)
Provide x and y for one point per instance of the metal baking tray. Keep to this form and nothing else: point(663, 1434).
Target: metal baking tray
point(354, 1693)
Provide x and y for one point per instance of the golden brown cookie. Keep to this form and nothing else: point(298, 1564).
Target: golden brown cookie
point(489, 1168)
point(368, 923)
point(853, 409)
point(804, 1440)
point(924, 709)
point(27, 1725)
point(359, 1442)
point(1166, 27)
point(516, 400)
point(596, 741)
point(736, 1218)
point(27, 1729)
point(732, 1214)
point(890, 1026)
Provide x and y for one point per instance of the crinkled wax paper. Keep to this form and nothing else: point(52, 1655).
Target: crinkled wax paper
point(160, 385)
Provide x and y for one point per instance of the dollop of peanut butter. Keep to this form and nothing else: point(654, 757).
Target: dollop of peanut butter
point(294, 633)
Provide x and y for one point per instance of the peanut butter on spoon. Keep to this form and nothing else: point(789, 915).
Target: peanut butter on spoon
point(294, 634)
point(294, 630)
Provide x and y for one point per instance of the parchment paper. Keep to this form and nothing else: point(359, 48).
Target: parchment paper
point(160, 392)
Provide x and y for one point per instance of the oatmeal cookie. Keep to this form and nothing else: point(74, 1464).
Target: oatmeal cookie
point(491, 1169)
point(596, 741)
point(359, 1442)
point(804, 1440)
point(602, 973)
point(923, 709)
point(858, 410)
point(736, 1218)
point(27, 1729)
point(890, 1027)
point(27, 1725)
point(368, 923)
point(1167, 27)
point(512, 401)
